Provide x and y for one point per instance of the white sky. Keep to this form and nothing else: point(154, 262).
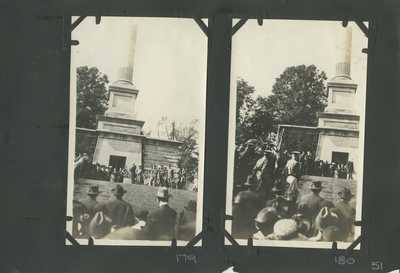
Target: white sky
point(260, 54)
point(170, 63)
point(171, 58)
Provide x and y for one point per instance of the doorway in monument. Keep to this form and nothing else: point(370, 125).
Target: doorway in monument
point(340, 158)
point(117, 162)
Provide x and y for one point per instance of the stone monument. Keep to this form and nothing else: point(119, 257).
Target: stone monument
point(120, 141)
point(339, 124)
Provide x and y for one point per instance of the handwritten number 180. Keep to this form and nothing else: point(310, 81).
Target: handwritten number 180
point(342, 260)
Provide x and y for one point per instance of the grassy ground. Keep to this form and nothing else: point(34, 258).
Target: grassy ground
point(331, 187)
point(139, 196)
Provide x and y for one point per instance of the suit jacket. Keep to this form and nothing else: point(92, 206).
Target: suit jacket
point(89, 203)
point(243, 222)
point(312, 200)
point(160, 223)
point(120, 212)
point(347, 210)
point(253, 197)
point(350, 166)
point(187, 225)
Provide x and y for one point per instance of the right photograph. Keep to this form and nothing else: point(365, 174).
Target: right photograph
point(296, 137)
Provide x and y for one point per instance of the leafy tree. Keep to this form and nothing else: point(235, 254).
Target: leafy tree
point(298, 94)
point(244, 107)
point(188, 135)
point(91, 96)
point(85, 144)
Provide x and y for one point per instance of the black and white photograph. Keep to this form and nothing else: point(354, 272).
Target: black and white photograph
point(296, 133)
point(136, 143)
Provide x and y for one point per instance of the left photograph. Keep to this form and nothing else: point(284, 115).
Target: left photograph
point(136, 140)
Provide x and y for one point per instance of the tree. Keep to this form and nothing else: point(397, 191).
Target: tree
point(91, 96)
point(188, 135)
point(244, 107)
point(298, 94)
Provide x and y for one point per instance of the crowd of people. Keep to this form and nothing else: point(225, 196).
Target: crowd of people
point(157, 176)
point(267, 205)
point(117, 220)
point(314, 166)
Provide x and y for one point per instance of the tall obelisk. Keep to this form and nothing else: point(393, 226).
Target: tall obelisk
point(120, 140)
point(123, 92)
point(338, 125)
point(341, 89)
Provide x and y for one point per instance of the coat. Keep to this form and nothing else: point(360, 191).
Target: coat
point(349, 213)
point(312, 200)
point(256, 201)
point(120, 212)
point(160, 223)
point(187, 225)
point(89, 203)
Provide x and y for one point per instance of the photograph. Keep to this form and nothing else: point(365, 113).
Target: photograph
point(296, 133)
point(137, 129)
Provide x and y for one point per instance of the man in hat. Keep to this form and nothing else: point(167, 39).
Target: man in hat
point(255, 201)
point(293, 166)
point(90, 201)
point(160, 224)
point(279, 202)
point(242, 222)
point(348, 211)
point(264, 170)
point(293, 174)
point(313, 200)
point(120, 212)
point(187, 222)
point(265, 222)
point(133, 173)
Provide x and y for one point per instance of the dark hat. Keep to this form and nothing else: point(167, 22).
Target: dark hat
point(94, 190)
point(142, 214)
point(278, 186)
point(267, 215)
point(345, 193)
point(325, 218)
point(163, 192)
point(118, 190)
point(332, 234)
point(316, 185)
point(192, 205)
point(251, 180)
